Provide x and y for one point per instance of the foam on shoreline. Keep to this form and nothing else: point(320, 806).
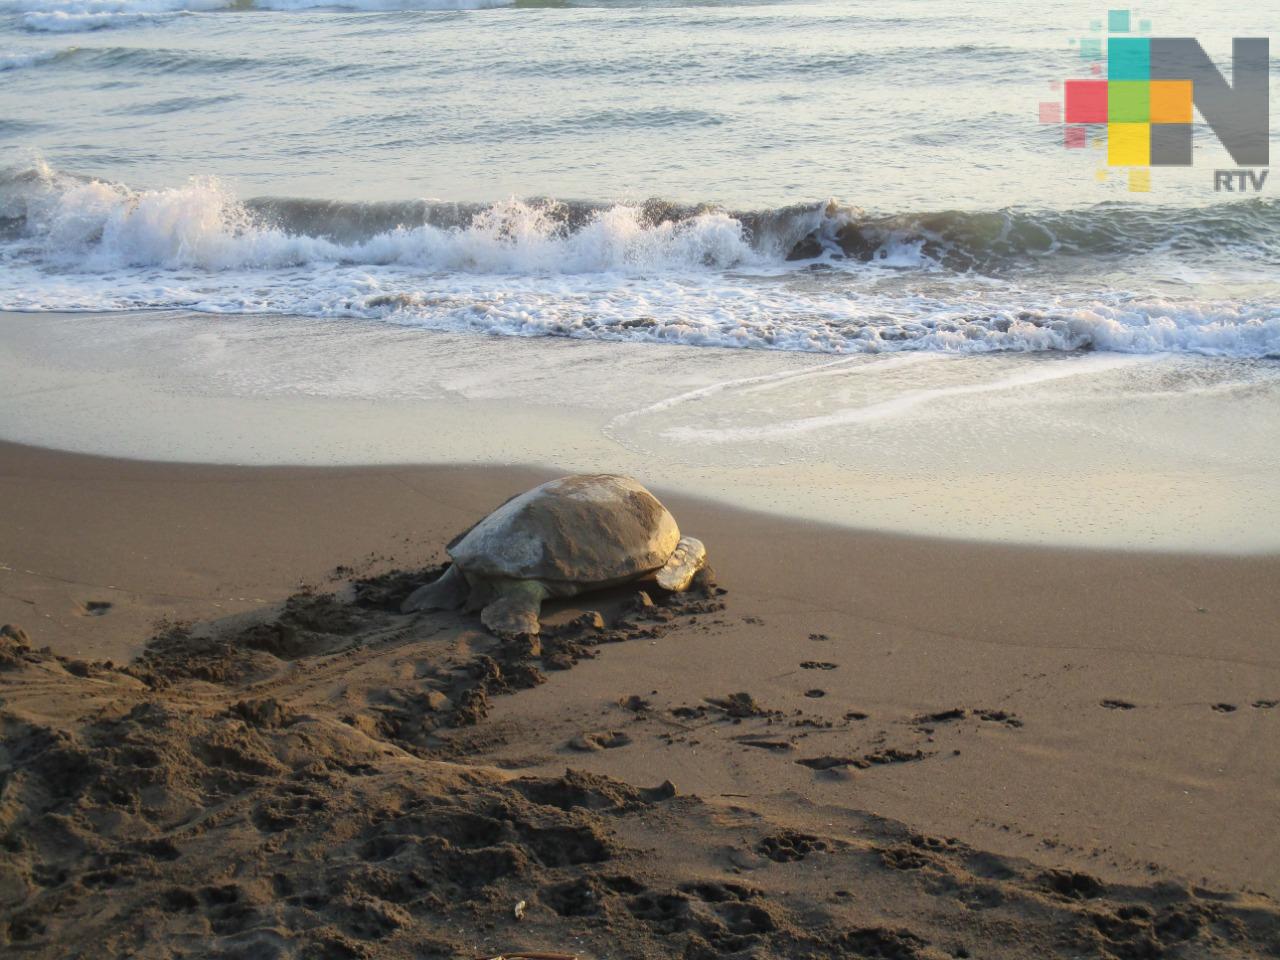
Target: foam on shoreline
point(818, 277)
point(1170, 453)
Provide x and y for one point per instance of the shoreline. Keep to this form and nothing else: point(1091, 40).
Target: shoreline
point(915, 627)
point(1090, 450)
point(539, 472)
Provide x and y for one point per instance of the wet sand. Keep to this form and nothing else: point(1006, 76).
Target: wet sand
point(1096, 450)
point(945, 748)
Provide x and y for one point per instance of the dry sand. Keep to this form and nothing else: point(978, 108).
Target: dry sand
point(865, 746)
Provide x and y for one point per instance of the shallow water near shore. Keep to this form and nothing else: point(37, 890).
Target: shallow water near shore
point(1085, 449)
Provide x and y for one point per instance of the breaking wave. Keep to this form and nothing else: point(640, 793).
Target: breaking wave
point(33, 58)
point(97, 226)
point(103, 225)
point(817, 277)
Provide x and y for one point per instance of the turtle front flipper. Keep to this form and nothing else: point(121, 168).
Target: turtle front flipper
point(688, 558)
point(447, 592)
point(515, 608)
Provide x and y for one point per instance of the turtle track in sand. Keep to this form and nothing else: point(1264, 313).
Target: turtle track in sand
point(297, 785)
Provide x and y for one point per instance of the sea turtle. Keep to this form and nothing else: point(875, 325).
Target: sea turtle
point(565, 537)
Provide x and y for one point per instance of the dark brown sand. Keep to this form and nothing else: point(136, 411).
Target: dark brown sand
point(865, 746)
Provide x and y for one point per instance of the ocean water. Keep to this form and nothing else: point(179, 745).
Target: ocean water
point(818, 258)
point(831, 176)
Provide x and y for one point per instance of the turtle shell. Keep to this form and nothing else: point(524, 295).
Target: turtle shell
point(582, 529)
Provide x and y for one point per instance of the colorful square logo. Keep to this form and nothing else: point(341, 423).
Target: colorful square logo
point(1128, 58)
point(1143, 107)
point(1128, 101)
point(1129, 144)
point(1171, 101)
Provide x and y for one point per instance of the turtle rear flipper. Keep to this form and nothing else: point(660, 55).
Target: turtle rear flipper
point(514, 611)
point(688, 558)
point(447, 592)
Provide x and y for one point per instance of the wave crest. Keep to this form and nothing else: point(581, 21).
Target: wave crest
point(75, 16)
point(654, 271)
point(120, 225)
point(99, 226)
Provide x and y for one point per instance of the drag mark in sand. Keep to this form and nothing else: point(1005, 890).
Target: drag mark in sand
point(313, 783)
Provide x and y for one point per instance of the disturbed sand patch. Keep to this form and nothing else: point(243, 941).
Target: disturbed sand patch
point(306, 784)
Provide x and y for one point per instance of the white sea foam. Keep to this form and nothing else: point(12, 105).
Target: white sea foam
point(76, 16)
point(99, 226)
point(72, 16)
point(519, 268)
point(380, 5)
point(31, 58)
point(898, 405)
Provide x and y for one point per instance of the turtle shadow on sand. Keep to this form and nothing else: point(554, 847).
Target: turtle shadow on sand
point(566, 537)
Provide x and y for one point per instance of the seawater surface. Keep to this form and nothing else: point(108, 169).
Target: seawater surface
point(831, 176)
point(293, 185)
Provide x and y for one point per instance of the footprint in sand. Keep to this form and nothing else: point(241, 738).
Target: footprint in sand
point(599, 740)
point(96, 608)
point(1265, 704)
point(818, 665)
point(815, 694)
point(763, 743)
point(789, 846)
point(1117, 704)
point(1224, 708)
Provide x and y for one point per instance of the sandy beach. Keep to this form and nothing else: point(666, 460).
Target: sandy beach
point(951, 329)
point(856, 744)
